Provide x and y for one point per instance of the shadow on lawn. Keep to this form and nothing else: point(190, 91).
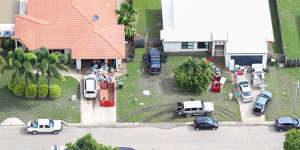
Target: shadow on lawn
point(297, 18)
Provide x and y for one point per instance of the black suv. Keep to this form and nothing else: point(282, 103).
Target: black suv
point(154, 60)
point(205, 123)
point(262, 103)
point(286, 123)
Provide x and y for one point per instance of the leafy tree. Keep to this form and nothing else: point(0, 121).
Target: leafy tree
point(126, 14)
point(88, 143)
point(292, 140)
point(193, 75)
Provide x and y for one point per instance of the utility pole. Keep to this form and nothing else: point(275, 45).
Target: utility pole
point(297, 87)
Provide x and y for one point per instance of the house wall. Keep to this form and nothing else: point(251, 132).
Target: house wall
point(228, 57)
point(176, 47)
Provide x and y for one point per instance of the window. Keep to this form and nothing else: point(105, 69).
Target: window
point(202, 45)
point(47, 126)
point(41, 126)
point(219, 47)
point(187, 45)
point(187, 109)
point(194, 109)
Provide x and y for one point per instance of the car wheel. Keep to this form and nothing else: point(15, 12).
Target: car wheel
point(55, 132)
point(280, 130)
point(34, 132)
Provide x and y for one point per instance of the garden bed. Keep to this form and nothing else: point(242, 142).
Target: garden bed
point(27, 108)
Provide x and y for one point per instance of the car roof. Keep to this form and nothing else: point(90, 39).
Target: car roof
point(43, 121)
point(266, 93)
point(90, 84)
point(153, 52)
point(192, 104)
point(202, 119)
point(261, 100)
point(90, 76)
point(245, 87)
point(282, 120)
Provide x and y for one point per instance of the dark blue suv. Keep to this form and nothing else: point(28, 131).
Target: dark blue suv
point(154, 60)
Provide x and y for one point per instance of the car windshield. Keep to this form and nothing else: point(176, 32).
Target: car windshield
point(264, 96)
point(295, 121)
point(259, 105)
point(210, 121)
point(51, 123)
point(247, 93)
point(243, 82)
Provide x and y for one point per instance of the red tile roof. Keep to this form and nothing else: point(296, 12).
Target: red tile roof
point(69, 24)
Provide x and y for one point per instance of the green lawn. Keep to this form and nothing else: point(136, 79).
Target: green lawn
point(60, 108)
point(277, 47)
point(149, 17)
point(282, 83)
point(137, 79)
point(290, 22)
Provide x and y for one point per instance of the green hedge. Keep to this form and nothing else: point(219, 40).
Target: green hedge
point(55, 91)
point(43, 91)
point(31, 91)
point(10, 85)
point(19, 89)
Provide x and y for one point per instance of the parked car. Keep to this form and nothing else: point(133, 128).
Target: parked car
point(286, 123)
point(43, 126)
point(90, 86)
point(245, 90)
point(55, 147)
point(154, 60)
point(258, 76)
point(262, 102)
point(205, 123)
point(126, 148)
point(189, 108)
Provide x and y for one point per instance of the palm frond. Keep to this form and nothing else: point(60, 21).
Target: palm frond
point(5, 68)
point(28, 66)
point(30, 76)
point(44, 65)
point(57, 75)
point(2, 61)
point(62, 67)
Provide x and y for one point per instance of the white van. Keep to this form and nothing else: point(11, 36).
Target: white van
point(90, 86)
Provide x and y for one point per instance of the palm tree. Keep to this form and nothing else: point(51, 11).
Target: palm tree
point(53, 65)
point(127, 14)
point(28, 65)
point(15, 60)
point(41, 64)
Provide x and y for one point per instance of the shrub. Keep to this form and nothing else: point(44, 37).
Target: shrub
point(193, 76)
point(11, 85)
point(19, 89)
point(31, 91)
point(43, 91)
point(55, 91)
point(292, 140)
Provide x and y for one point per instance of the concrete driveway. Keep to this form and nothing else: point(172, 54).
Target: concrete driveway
point(90, 109)
point(246, 108)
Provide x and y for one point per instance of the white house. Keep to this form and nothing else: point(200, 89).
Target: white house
point(235, 29)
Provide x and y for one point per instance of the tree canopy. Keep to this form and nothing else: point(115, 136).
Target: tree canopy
point(292, 140)
point(88, 143)
point(193, 75)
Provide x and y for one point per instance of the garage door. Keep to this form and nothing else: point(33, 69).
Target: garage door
point(247, 60)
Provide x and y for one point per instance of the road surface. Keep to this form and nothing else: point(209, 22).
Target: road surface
point(148, 138)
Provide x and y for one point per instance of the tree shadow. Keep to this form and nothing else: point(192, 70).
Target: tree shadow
point(297, 18)
point(153, 24)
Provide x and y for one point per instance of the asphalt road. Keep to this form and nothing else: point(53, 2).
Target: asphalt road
point(148, 138)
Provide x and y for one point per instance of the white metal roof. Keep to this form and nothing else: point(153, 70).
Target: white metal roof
point(246, 24)
point(90, 84)
point(192, 104)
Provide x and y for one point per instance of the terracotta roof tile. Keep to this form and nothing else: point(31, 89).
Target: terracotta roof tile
point(69, 24)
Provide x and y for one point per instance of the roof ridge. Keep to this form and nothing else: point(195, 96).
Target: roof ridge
point(109, 43)
point(82, 14)
point(85, 36)
point(33, 19)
